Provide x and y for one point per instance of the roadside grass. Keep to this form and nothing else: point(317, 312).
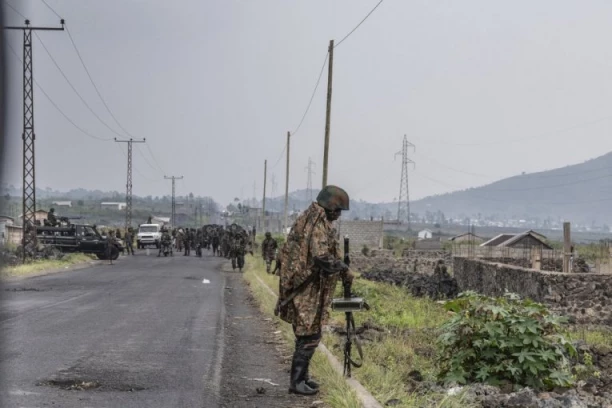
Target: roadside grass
point(35, 267)
point(335, 392)
point(593, 336)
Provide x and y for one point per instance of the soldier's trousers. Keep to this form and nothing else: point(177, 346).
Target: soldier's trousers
point(305, 347)
point(187, 248)
point(130, 248)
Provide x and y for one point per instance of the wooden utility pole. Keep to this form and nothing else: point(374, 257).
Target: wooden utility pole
point(263, 206)
point(287, 183)
point(330, 71)
point(567, 246)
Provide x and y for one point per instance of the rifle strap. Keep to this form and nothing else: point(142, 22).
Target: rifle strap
point(348, 360)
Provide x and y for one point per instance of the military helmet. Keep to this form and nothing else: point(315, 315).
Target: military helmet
point(268, 235)
point(52, 209)
point(333, 198)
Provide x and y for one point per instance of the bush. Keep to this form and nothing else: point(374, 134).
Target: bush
point(501, 340)
point(365, 250)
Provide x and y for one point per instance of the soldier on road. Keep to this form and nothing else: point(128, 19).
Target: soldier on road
point(187, 241)
point(268, 250)
point(310, 268)
point(129, 241)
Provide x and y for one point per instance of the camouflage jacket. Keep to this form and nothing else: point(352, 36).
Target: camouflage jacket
point(268, 248)
point(311, 236)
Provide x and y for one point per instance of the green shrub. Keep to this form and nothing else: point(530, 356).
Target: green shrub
point(365, 250)
point(501, 340)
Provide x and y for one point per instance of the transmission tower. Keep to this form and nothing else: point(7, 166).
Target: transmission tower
point(173, 178)
point(28, 136)
point(128, 185)
point(310, 170)
point(403, 206)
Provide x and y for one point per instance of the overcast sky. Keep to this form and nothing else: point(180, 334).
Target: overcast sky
point(485, 90)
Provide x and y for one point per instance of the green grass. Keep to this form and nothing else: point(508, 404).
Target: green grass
point(36, 267)
point(593, 336)
point(335, 391)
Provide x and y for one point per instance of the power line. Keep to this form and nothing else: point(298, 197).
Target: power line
point(358, 25)
point(145, 159)
point(51, 8)
point(313, 94)
point(74, 89)
point(14, 9)
point(155, 159)
point(86, 133)
point(279, 157)
point(92, 81)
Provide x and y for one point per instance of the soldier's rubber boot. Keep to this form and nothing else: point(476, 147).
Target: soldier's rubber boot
point(297, 384)
point(308, 380)
point(267, 267)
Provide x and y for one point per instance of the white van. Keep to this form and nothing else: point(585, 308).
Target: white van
point(148, 234)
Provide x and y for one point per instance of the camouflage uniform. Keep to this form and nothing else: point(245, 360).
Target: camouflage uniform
point(310, 268)
point(51, 219)
point(187, 241)
point(309, 309)
point(268, 250)
point(129, 241)
point(166, 241)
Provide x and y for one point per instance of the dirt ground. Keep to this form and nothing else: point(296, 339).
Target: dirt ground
point(256, 361)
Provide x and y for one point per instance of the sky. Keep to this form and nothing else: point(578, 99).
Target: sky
point(484, 90)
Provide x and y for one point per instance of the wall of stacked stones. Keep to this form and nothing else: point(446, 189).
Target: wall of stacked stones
point(585, 297)
point(411, 261)
point(361, 233)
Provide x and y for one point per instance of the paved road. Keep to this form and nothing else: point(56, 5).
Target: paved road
point(145, 332)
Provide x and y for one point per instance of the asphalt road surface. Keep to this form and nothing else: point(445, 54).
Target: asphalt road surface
point(144, 332)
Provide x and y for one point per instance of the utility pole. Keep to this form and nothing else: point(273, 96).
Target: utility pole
point(330, 71)
point(403, 206)
point(310, 171)
point(28, 136)
point(173, 178)
point(128, 185)
point(287, 182)
point(567, 247)
point(263, 207)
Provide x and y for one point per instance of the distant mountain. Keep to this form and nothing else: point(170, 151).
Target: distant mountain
point(578, 193)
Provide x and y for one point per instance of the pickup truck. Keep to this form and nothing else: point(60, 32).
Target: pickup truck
point(77, 238)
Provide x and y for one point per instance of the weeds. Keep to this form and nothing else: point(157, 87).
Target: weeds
point(35, 267)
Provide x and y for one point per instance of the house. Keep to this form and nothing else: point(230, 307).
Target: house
point(62, 203)
point(113, 205)
point(12, 234)
point(5, 221)
point(524, 240)
point(467, 237)
point(425, 234)
point(39, 215)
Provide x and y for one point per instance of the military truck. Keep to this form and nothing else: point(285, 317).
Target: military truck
point(77, 238)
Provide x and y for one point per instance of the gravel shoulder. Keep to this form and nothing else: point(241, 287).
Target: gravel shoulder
point(256, 360)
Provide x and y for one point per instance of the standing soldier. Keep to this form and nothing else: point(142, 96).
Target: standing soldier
point(110, 244)
point(129, 241)
point(310, 268)
point(268, 250)
point(187, 241)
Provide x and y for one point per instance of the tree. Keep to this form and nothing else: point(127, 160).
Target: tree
point(80, 203)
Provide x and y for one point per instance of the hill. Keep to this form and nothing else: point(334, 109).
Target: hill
point(580, 193)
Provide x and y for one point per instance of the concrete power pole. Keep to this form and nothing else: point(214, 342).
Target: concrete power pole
point(403, 206)
point(330, 72)
point(285, 226)
point(263, 206)
point(128, 185)
point(28, 136)
point(173, 178)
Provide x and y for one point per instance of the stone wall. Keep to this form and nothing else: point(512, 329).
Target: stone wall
point(585, 298)
point(360, 233)
point(412, 261)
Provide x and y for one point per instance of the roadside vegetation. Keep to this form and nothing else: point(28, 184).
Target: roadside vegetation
point(39, 266)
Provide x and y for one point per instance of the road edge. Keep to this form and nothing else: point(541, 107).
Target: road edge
point(365, 397)
point(69, 268)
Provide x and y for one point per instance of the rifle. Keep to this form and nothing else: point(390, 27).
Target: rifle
point(349, 304)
